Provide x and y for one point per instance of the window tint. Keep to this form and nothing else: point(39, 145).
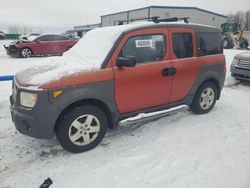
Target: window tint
point(57, 38)
point(209, 44)
point(46, 38)
point(145, 48)
point(182, 45)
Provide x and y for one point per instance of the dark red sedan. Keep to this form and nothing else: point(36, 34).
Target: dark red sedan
point(41, 46)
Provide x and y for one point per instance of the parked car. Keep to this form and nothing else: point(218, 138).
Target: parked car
point(240, 68)
point(135, 68)
point(40, 46)
point(2, 35)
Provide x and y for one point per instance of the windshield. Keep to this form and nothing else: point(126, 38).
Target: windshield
point(95, 45)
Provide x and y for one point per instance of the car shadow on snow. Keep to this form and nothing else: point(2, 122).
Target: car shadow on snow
point(51, 148)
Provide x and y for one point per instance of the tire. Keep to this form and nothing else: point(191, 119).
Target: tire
point(68, 48)
point(25, 52)
point(205, 98)
point(82, 128)
point(244, 44)
point(227, 44)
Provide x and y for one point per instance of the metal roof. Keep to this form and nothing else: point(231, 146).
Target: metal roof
point(169, 7)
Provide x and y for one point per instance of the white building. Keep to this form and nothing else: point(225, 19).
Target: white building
point(196, 15)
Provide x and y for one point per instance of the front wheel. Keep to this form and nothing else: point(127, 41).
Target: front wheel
point(25, 53)
point(227, 43)
point(205, 98)
point(82, 129)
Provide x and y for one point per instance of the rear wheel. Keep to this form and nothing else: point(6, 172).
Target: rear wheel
point(25, 52)
point(244, 44)
point(68, 48)
point(82, 129)
point(205, 98)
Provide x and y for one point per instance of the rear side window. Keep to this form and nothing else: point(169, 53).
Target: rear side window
point(209, 44)
point(182, 45)
point(145, 48)
point(57, 38)
point(46, 38)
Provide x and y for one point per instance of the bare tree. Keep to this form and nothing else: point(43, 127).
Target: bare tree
point(248, 20)
point(15, 29)
point(241, 18)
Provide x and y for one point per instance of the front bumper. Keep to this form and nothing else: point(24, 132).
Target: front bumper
point(37, 122)
point(240, 73)
point(12, 50)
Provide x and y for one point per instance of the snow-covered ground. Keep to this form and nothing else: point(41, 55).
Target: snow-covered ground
point(181, 150)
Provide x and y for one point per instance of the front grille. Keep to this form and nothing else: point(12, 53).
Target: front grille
point(244, 64)
point(14, 92)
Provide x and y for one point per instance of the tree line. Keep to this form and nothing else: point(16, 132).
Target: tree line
point(242, 18)
point(21, 30)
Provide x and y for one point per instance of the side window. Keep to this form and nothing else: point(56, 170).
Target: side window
point(145, 48)
point(209, 44)
point(46, 38)
point(182, 45)
point(57, 38)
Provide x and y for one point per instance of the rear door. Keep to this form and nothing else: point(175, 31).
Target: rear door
point(60, 44)
point(184, 60)
point(40, 45)
point(145, 85)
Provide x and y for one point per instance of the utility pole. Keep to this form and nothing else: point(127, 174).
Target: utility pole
point(147, 2)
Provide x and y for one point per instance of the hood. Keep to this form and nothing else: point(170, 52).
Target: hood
point(15, 42)
point(54, 70)
point(58, 76)
point(245, 56)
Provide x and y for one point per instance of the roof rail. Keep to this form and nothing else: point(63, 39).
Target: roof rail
point(121, 22)
point(174, 19)
point(156, 19)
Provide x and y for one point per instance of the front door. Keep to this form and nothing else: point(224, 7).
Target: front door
point(149, 83)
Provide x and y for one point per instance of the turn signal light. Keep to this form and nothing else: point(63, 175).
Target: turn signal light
point(57, 93)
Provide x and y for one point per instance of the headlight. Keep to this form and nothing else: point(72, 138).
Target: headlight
point(28, 99)
point(235, 62)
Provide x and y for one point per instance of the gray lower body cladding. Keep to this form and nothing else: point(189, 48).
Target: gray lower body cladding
point(39, 122)
point(213, 72)
point(240, 73)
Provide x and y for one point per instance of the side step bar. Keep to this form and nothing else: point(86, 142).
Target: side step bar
point(145, 118)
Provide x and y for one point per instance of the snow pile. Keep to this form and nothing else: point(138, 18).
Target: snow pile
point(229, 55)
point(88, 54)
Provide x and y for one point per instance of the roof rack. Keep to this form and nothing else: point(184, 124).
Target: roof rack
point(156, 19)
point(174, 19)
point(121, 22)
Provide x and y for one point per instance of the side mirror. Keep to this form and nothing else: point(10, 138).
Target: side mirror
point(37, 41)
point(128, 61)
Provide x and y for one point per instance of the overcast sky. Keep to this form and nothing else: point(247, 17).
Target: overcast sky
point(60, 15)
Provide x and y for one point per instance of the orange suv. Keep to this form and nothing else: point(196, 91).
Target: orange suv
point(125, 70)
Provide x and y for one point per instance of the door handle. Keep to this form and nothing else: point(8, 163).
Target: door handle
point(168, 71)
